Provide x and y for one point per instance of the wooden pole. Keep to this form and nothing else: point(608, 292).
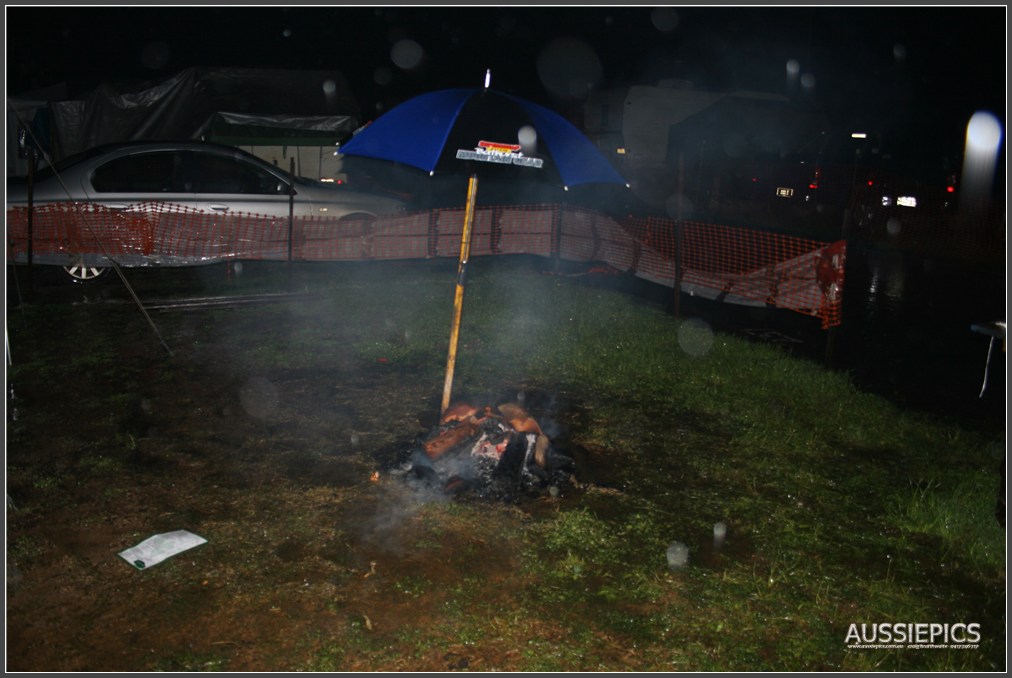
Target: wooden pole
point(458, 301)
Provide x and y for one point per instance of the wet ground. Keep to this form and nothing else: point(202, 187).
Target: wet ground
point(287, 470)
point(318, 557)
point(906, 332)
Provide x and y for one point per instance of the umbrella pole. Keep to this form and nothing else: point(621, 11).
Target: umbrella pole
point(458, 301)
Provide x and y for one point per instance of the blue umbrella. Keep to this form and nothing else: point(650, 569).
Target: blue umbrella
point(481, 131)
point(486, 132)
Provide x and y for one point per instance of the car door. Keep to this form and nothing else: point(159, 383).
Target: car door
point(132, 196)
point(227, 184)
point(247, 202)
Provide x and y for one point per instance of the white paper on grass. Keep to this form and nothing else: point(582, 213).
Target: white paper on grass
point(154, 550)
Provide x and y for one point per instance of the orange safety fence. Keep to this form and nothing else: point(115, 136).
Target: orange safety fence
point(723, 263)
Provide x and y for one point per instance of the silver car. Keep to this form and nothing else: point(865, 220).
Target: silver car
point(192, 177)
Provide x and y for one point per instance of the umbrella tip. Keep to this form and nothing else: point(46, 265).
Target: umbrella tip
point(488, 77)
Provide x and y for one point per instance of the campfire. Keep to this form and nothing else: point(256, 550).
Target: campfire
point(499, 452)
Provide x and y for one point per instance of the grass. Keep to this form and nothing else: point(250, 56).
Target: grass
point(840, 507)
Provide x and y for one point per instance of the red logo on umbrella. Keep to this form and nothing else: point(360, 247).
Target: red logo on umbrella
point(498, 147)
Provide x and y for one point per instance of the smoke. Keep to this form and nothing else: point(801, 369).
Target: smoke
point(403, 495)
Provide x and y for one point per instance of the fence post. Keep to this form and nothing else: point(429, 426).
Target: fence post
point(676, 292)
point(31, 213)
point(291, 216)
point(291, 206)
point(432, 247)
point(556, 234)
point(831, 332)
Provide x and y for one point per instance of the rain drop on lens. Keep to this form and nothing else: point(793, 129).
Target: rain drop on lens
point(677, 555)
point(719, 534)
point(407, 54)
point(527, 136)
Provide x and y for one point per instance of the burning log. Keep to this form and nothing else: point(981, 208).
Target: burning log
point(512, 411)
point(519, 418)
point(450, 439)
point(488, 450)
point(458, 411)
point(541, 447)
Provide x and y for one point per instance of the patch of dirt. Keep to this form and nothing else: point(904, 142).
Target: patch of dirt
point(310, 562)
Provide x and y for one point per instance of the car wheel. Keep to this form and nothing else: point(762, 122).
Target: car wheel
point(81, 273)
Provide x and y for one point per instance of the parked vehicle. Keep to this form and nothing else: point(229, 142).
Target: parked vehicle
point(206, 177)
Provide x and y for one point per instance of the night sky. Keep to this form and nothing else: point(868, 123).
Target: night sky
point(912, 72)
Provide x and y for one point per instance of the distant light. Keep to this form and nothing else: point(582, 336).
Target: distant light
point(488, 77)
point(620, 151)
point(858, 135)
point(983, 140)
point(906, 201)
point(983, 132)
point(950, 189)
point(886, 201)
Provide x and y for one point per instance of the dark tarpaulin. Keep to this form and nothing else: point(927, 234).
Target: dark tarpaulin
point(246, 129)
point(185, 105)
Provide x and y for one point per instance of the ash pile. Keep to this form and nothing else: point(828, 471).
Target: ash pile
point(496, 453)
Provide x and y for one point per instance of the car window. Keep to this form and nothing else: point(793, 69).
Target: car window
point(64, 164)
point(208, 173)
point(140, 173)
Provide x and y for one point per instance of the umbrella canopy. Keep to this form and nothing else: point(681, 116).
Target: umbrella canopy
point(482, 131)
